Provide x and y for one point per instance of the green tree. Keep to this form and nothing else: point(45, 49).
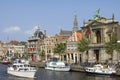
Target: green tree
point(83, 45)
point(111, 46)
point(118, 47)
point(16, 55)
point(60, 49)
point(7, 54)
point(42, 53)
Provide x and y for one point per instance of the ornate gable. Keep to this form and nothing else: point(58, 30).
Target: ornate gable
point(94, 23)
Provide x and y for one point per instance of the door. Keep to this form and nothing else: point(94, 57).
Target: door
point(96, 52)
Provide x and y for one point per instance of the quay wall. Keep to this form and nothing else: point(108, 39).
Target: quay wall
point(38, 64)
point(73, 67)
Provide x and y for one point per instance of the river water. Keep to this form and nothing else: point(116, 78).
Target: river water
point(43, 74)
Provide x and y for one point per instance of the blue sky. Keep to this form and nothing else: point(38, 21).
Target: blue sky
point(19, 18)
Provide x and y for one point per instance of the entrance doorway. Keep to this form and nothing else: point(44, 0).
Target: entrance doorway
point(96, 52)
point(80, 58)
point(75, 58)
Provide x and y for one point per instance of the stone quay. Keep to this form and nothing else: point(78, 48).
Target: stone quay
point(74, 67)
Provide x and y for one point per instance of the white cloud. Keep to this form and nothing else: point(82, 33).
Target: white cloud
point(12, 29)
point(32, 30)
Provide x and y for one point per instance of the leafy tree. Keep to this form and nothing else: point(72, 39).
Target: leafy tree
point(83, 45)
point(111, 45)
point(118, 47)
point(42, 53)
point(60, 49)
point(7, 54)
point(16, 55)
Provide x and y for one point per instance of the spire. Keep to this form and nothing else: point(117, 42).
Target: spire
point(75, 21)
point(45, 32)
point(75, 24)
point(38, 28)
point(113, 17)
point(83, 22)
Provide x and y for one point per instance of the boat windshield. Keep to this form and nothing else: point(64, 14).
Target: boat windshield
point(54, 63)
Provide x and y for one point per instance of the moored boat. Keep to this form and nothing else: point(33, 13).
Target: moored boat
point(100, 69)
point(22, 70)
point(57, 66)
point(5, 61)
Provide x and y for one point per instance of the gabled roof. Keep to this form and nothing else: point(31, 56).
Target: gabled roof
point(76, 36)
point(62, 37)
point(65, 33)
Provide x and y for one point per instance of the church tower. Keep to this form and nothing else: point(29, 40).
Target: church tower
point(75, 24)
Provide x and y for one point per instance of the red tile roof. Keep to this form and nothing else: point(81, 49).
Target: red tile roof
point(77, 36)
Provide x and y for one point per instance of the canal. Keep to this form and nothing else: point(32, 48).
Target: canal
point(43, 74)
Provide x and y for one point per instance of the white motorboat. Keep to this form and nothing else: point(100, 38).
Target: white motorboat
point(57, 66)
point(6, 61)
point(22, 70)
point(100, 69)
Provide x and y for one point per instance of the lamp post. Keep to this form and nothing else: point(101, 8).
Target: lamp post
point(44, 43)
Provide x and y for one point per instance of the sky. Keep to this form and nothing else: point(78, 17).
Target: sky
point(20, 18)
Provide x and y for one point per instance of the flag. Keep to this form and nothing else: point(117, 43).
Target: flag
point(88, 31)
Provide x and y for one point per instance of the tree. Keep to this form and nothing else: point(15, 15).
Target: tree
point(60, 49)
point(83, 45)
point(118, 47)
point(42, 53)
point(111, 45)
point(16, 55)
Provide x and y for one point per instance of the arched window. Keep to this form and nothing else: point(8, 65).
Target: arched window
point(98, 35)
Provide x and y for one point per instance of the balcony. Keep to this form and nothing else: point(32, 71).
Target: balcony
point(96, 45)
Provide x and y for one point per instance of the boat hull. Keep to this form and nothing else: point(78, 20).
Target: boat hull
point(28, 74)
point(6, 63)
point(100, 73)
point(58, 68)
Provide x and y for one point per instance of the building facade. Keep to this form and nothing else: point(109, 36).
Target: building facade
point(12, 50)
point(48, 45)
point(99, 31)
point(34, 43)
point(1, 49)
point(72, 54)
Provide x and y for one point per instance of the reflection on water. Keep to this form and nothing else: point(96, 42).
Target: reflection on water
point(101, 77)
point(52, 75)
point(10, 77)
point(43, 74)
